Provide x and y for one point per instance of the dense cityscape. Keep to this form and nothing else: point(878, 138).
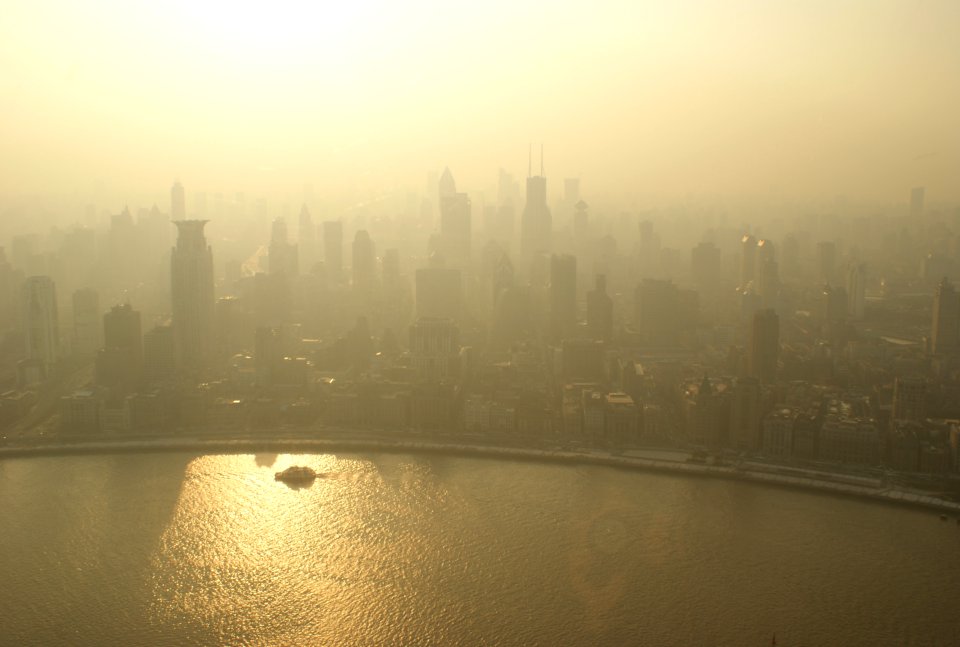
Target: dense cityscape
point(825, 338)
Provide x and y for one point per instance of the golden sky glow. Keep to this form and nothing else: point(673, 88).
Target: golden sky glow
point(705, 97)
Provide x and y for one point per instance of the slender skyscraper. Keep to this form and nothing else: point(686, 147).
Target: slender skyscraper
point(945, 336)
point(856, 290)
point(600, 311)
point(40, 322)
point(455, 227)
point(178, 203)
point(87, 328)
point(191, 291)
point(748, 262)
point(536, 224)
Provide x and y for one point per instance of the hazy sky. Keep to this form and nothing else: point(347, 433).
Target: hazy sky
point(818, 97)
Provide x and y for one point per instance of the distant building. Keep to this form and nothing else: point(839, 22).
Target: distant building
point(120, 362)
point(945, 336)
point(909, 398)
point(41, 325)
point(435, 349)
point(748, 262)
point(439, 293)
point(856, 290)
point(283, 255)
point(160, 354)
point(191, 291)
point(536, 222)
point(455, 222)
point(87, 325)
point(600, 311)
point(705, 262)
point(778, 428)
point(364, 262)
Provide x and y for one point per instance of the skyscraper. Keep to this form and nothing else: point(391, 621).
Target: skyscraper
point(705, 263)
point(191, 291)
point(455, 227)
point(600, 311)
point(563, 296)
point(536, 223)
point(856, 290)
point(764, 345)
point(121, 360)
point(307, 239)
point(364, 262)
point(283, 258)
point(945, 336)
point(827, 261)
point(178, 203)
point(86, 323)
point(333, 250)
point(41, 325)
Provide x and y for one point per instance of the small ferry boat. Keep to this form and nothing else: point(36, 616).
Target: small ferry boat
point(296, 474)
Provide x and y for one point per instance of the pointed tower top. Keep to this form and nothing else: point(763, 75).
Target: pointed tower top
point(447, 184)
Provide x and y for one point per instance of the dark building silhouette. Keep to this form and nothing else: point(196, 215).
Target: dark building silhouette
point(909, 398)
point(161, 360)
point(748, 262)
point(191, 291)
point(764, 346)
point(435, 349)
point(87, 323)
point(41, 326)
point(945, 335)
point(283, 256)
point(563, 296)
point(705, 263)
point(600, 311)
point(364, 262)
point(120, 362)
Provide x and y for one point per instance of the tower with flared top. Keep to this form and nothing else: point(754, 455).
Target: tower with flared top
point(191, 291)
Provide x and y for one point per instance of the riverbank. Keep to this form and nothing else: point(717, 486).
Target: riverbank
point(832, 482)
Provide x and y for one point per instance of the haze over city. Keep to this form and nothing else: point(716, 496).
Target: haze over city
point(500, 323)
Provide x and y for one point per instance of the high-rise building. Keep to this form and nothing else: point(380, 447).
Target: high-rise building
point(333, 250)
point(455, 226)
point(563, 296)
point(748, 262)
point(536, 223)
point(87, 326)
point(120, 361)
point(827, 261)
point(41, 325)
point(856, 290)
point(283, 258)
point(161, 360)
point(909, 398)
point(917, 196)
point(600, 311)
point(945, 336)
point(307, 239)
point(178, 203)
point(191, 291)
point(435, 349)
point(439, 293)
point(764, 345)
point(745, 414)
point(658, 311)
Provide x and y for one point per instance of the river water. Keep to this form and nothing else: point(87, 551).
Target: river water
point(177, 549)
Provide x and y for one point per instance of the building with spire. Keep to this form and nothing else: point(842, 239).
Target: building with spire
point(536, 222)
point(455, 221)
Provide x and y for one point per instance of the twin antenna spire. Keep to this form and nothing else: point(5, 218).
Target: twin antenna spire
point(530, 160)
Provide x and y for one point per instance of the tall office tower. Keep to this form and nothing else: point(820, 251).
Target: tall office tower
point(435, 349)
point(439, 293)
point(856, 290)
point(766, 276)
point(600, 311)
point(833, 304)
point(917, 195)
point(120, 362)
point(827, 261)
point(536, 223)
point(178, 202)
point(455, 227)
point(563, 296)
point(364, 261)
point(191, 292)
point(161, 361)
point(945, 336)
point(790, 258)
point(748, 259)
point(764, 346)
point(283, 258)
point(909, 398)
point(333, 250)
point(41, 325)
point(86, 323)
point(307, 240)
point(705, 263)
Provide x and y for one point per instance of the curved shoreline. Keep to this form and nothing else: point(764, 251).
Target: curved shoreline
point(833, 484)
